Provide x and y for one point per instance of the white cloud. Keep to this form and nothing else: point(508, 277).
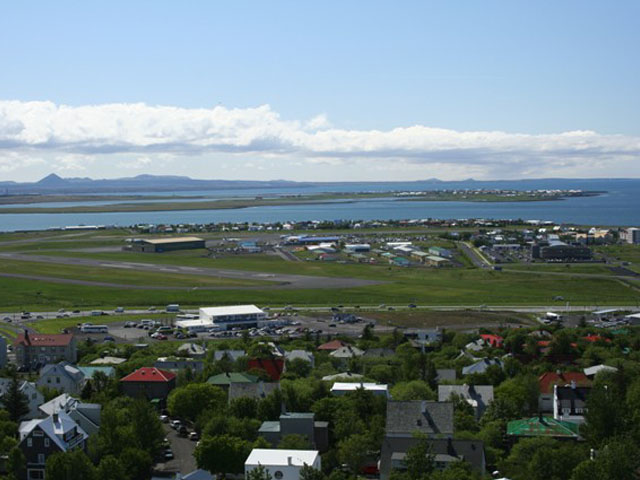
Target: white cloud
point(148, 133)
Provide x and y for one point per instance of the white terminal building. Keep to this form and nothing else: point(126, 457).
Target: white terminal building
point(244, 316)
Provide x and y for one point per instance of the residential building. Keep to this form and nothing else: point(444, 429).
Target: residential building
point(63, 377)
point(192, 350)
point(341, 388)
point(481, 366)
point(176, 364)
point(445, 375)
point(440, 252)
point(347, 352)
point(87, 415)
point(379, 353)
point(41, 438)
point(570, 403)
point(33, 350)
point(149, 382)
point(345, 377)
point(272, 367)
point(478, 396)
point(232, 355)
point(445, 451)
point(30, 390)
point(491, 340)
point(303, 424)
point(630, 235)
point(108, 361)
point(300, 354)
point(224, 380)
point(419, 416)
point(252, 390)
point(593, 371)
point(332, 345)
point(282, 464)
point(548, 380)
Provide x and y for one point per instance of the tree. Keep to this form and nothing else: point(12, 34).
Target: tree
point(222, 454)
point(110, 468)
point(189, 401)
point(243, 407)
point(258, 473)
point(298, 367)
point(309, 473)
point(619, 459)
point(14, 401)
point(294, 441)
point(73, 465)
point(353, 451)
point(419, 460)
point(136, 462)
point(413, 390)
point(147, 429)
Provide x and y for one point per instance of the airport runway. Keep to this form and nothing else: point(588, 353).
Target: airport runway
point(280, 280)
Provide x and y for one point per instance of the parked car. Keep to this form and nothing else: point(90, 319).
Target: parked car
point(168, 454)
point(182, 431)
point(164, 418)
point(194, 436)
point(130, 325)
point(108, 338)
point(175, 424)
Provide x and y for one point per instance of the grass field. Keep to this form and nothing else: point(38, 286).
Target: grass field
point(625, 253)
point(524, 285)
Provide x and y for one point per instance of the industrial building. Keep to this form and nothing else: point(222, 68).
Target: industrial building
point(244, 316)
point(630, 235)
point(560, 251)
point(158, 245)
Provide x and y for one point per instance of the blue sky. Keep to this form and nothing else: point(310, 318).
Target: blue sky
point(374, 90)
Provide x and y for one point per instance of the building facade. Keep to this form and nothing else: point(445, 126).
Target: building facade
point(33, 350)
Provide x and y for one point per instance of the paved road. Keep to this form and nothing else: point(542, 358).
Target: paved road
point(282, 280)
point(473, 255)
point(183, 449)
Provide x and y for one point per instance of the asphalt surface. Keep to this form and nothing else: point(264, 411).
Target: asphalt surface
point(183, 448)
point(281, 280)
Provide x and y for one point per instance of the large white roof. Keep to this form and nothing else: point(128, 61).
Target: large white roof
point(194, 323)
point(355, 385)
point(231, 310)
point(277, 457)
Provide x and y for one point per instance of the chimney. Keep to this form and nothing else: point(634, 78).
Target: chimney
point(573, 384)
point(55, 417)
point(290, 461)
point(26, 336)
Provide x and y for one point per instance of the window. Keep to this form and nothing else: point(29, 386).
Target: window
point(29, 442)
point(46, 443)
point(41, 458)
point(57, 379)
point(278, 474)
point(35, 474)
point(38, 433)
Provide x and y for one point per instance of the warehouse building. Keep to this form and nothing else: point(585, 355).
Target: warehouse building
point(245, 316)
point(158, 245)
point(560, 251)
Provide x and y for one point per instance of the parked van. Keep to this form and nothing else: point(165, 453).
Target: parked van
point(172, 307)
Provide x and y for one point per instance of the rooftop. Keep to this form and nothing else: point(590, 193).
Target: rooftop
point(42, 340)
point(230, 310)
point(542, 427)
point(277, 457)
point(149, 374)
point(160, 241)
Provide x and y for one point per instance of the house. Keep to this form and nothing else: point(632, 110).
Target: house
point(494, 341)
point(62, 376)
point(232, 355)
point(300, 354)
point(282, 464)
point(341, 388)
point(224, 380)
point(347, 352)
point(304, 424)
point(252, 390)
point(593, 371)
point(332, 345)
point(420, 338)
point(570, 403)
point(345, 376)
point(177, 364)
point(445, 375)
point(445, 451)
point(34, 350)
point(272, 367)
point(41, 438)
point(548, 380)
point(481, 366)
point(478, 396)
point(191, 350)
point(419, 416)
point(149, 382)
point(86, 415)
point(30, 390)
point(542, 426)
point(475, 346)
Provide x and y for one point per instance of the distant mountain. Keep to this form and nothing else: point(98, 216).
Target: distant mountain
point(52, 181)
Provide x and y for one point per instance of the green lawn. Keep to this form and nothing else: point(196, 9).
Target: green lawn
point(129, 276)
point(595, 269)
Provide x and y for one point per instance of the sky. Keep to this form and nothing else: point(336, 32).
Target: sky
point(328, 91)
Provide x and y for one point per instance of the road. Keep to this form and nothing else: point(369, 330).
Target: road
point(473, 255)
point(281, 280)
point(183, 449)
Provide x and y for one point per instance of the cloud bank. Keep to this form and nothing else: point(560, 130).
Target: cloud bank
point(77, 132)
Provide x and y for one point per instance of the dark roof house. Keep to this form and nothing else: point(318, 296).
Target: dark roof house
point(429, 418)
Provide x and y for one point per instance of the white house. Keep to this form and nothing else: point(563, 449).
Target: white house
point(30, 390)
point(231, 316)
point(342, 388)
point(62, 376)
point(282, 464)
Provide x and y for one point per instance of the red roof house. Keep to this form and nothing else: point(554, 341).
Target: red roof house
point(273, 367)
point(34, 350)
point(492, 340)
point(596, 338)
point(333, 345)
point(149, 382)
point(547, 380)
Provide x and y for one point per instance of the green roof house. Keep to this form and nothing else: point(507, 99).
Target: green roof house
point(543, 427)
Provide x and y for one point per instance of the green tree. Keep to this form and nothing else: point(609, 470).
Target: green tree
point(418, 460)
point(412, 390)
point(243, 407)
point(353, 451)
point(294, 441)
point(147, 429)
point(189, 401)
point(619, 459)
point(73, 465)
point(110, 468)
point(137, 463)
point(307, 472)
point(258, 473)
point(298, 367)
point(14, 401)
point(222, 454)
